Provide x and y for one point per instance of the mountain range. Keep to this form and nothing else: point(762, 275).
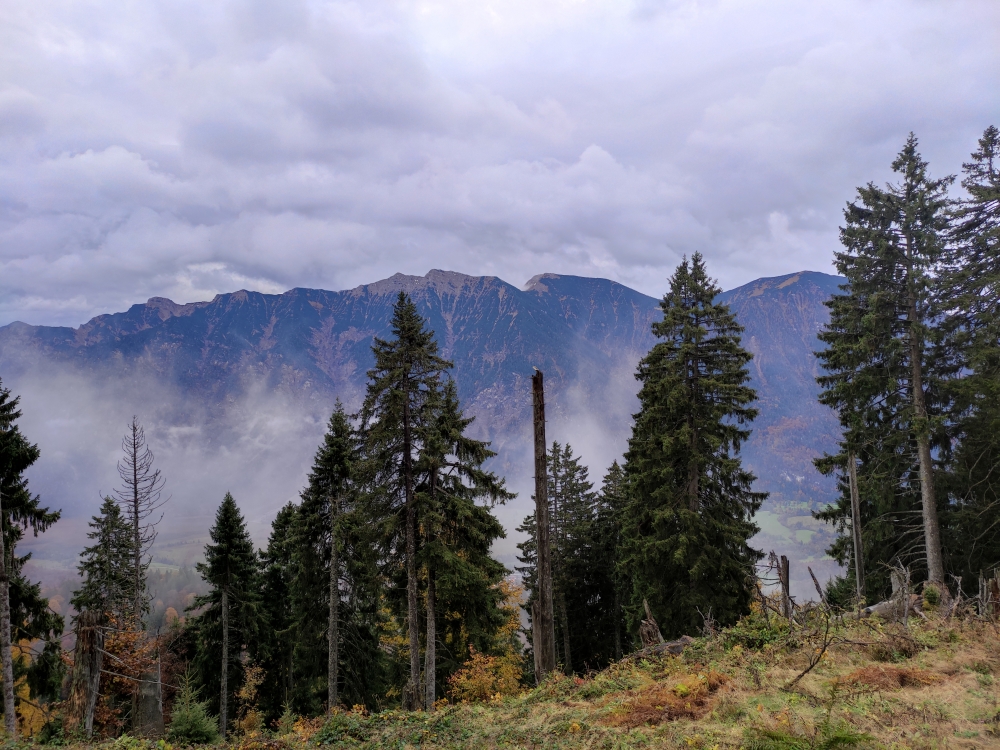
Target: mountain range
point(234, 392)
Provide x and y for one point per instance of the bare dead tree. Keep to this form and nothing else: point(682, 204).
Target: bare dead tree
point(140, 497)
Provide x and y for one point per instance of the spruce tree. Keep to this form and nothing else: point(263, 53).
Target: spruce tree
point(24, 614)
point(969, 295)
point(461, 578)
point(883, 373)
point(190, 722)
point(276, 646)
point(231, 616)
point(406, 371)
point(106, 566)
point(687, 522)
point(585, 535)
point(334, 587)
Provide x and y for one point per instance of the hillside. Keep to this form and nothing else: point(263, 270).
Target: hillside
point(235, 391)
point(873, 684)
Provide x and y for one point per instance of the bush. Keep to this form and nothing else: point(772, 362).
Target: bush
point(484, 677)
point(754, 632)
point(191, 723)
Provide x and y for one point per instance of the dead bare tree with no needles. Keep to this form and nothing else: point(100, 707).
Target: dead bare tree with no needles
point(140, 497)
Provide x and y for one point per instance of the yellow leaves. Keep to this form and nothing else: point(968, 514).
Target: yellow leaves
point(485, 678)
point(250, 720)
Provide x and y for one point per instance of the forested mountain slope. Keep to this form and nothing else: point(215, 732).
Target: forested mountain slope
point(235, 391)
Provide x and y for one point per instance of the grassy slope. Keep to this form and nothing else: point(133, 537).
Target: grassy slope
point(929, 686)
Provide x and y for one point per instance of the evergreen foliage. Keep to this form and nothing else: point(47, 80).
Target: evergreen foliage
point(327, 515)
point(461, 578)
point(970, 296)
point(276, 646)
point(405, 374)
point(585, 533)
point(687, 521)
point(231, 568)
point(106, 566)
point(190, 722)
point(30, 616)
point(885, 371)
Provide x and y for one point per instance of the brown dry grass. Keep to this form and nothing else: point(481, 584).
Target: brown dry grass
point(690, 697)
point(887, 677)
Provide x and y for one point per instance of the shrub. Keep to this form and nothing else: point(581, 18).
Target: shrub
point(191, 723)
point(754, 632)
point(484, 677)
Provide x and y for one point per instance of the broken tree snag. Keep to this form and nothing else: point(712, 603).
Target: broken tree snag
point(649, 631)
point(786, 595)
point(86, 672)
point(543, 628)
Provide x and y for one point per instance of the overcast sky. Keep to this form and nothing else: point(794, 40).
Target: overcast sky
point(181, 149)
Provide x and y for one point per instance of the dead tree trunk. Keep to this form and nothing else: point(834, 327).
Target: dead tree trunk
point(543, 628)
point(9, 717)
point(649, 631)
point(87, 662)
point(786, 597)
point(859, 563)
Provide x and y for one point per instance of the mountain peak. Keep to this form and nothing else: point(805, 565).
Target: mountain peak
point(167, 308)
point(442, 282)
point(536, 282)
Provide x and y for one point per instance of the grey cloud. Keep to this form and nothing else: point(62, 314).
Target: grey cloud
point(181, 149)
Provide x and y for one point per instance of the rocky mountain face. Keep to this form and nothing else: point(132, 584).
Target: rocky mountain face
point(235, 391)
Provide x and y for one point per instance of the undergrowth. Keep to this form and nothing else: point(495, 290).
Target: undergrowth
point(868, 684)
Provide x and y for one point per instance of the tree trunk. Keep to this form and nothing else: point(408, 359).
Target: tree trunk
point(693, 478)
point(411, 700)
point(543, 628)
point(564, 623)
point(9, 716)
point(617, 622)
point(87, 660)
point(932, 529)
point(784, 575)
point(333, 626)
point(859, 562)
point(430, 652)
point(224, 693)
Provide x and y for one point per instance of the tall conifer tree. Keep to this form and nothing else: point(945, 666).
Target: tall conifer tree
point(334, 587)
point(969, 295)
point(406, 372)
point(688, 519)
point(231, 568)
point(883, 374)
point(461, 578)
point(107, 566)
point(24, 614)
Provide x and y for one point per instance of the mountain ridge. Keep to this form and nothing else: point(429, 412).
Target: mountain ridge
point(209, 369)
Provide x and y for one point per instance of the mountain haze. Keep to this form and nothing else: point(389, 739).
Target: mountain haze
point(235, 391)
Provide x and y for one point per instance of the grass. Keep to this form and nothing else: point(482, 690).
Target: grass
point(876, 685)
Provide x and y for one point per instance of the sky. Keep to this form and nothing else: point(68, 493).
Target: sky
point(183, 149)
